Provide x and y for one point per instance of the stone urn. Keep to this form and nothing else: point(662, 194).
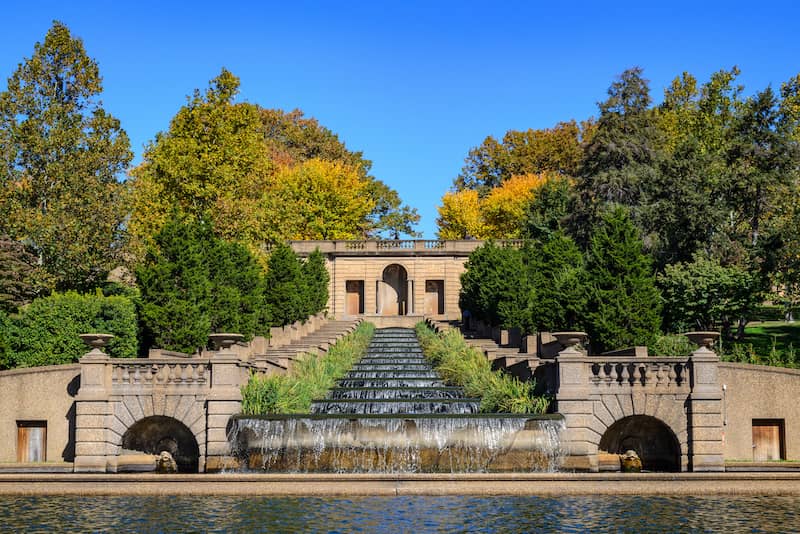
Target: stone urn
point(630, 462)
point(703, 339)
point(571, 339)
point(224, 341)
point(96, 342)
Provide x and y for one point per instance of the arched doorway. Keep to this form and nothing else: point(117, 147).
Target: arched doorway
point(158, 433)
point(393, 291)
point(653, 441)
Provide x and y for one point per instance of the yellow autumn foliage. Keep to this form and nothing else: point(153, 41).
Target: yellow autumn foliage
point(460, 216)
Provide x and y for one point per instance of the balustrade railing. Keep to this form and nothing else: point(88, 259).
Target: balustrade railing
point(148, 372)
point(629, 372)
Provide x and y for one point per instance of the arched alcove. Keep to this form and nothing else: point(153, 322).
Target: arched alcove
point(654, 442)
point(393, 297)
point(158, 433)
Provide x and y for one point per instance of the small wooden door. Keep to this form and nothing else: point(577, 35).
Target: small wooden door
point(354, 301)
point(434, 297)
point(767, 440)
point(31, 441)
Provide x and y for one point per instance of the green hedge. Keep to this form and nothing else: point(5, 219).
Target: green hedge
point(46, 331)
point(310, 377)
point(462, 365)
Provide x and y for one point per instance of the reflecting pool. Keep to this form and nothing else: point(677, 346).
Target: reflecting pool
point(399, 514)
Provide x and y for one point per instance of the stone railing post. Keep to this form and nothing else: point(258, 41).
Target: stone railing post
point(93, 408)
point(224, 400)
point(572, 401)
point(705, 413)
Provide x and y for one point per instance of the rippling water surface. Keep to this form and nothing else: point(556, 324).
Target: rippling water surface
point(399, 514)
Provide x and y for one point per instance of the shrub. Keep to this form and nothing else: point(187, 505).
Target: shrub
point(309, 378)
point(286, 290)
point(672, 345)
point(46, 331)
point(461, 365)
point(316, 279)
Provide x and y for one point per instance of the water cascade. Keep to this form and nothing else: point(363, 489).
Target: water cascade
point(393, 413)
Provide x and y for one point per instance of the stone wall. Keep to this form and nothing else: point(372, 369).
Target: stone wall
point(39, 394)
point(759, 392)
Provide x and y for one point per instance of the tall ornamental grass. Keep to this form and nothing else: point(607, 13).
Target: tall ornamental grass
point(464, 366)
point(309, 378)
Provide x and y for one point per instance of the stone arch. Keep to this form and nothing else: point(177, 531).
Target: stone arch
point(393, 296)
point(652, 439)
point(158, 433)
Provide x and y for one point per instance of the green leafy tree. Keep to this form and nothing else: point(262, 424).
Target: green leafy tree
point(316, 279)
point(62, 154)
point(558, 149)
point(46, 330)
point(494, 287)
point(624, 305)
point(705, 295)
point(176, 289)
point(549, 210)
point(21, 278)
point(285, 286)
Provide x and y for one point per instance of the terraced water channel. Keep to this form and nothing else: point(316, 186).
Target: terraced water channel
point(393, 413)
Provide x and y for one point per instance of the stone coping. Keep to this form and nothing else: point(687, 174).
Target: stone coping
point(759, 368)
point(46, 368)
point(541, 484)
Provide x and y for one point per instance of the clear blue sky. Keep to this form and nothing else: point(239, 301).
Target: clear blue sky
point(412, 84)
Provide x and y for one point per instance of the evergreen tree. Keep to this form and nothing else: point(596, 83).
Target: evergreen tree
point(624, 303)
point(61, 156)
point(176, 288)
point(285, 287)
point(546, 214)
point(316, 279)
point(558, 289)
point(238, 290)
point(494, 287)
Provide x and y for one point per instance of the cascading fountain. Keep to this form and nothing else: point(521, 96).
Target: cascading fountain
point(393, 413)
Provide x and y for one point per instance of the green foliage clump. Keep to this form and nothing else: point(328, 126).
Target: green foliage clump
point(671, 345)
point(46, 331)
point(624, 303)
point(493, 286)
point(193, 283)
point(316, 277)
point(558, 284)
point(309, 378)
point(286, 287)
point(464, 366)
point(176, 288)
point(705, 295)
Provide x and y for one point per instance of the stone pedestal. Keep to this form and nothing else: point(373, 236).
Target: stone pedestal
point(705, 413)
point(572, 401)
point(92, 414)
point(224, 400)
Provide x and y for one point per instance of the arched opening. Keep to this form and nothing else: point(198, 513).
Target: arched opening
point(393, 292)
point(158, 433)
point(653, 441)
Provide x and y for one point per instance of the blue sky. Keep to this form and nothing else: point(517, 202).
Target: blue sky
point(414, 85)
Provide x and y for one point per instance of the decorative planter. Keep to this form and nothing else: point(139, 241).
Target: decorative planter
point(224, 341)
point(96, 341)
point(703, 339)
point(570, 339)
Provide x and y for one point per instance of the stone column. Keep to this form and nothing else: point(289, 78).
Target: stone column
point(93, 413)
point(377, 297)
point(572, 401)
point(410, 297)
point(705, 413)
point(224, 400)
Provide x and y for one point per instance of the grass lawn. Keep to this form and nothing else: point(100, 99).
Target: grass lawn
point(762, 335)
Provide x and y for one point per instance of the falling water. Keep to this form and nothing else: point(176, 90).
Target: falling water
point(393, 413)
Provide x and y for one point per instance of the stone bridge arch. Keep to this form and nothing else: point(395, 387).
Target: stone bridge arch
point(158, 433)
point(653, 441)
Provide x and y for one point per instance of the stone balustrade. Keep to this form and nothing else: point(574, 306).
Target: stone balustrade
point(633, 372)
point(150, 372)
point(400, 246)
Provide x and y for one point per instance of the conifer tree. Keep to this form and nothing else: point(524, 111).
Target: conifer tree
point(285, 288)
point(316, 279)
point(176, 288)
point(624, 303)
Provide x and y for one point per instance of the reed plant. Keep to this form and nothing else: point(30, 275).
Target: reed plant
point(464, 366)
point(310, 377)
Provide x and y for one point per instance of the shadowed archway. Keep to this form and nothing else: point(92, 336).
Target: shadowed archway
point(653, 441)
point(158, 433)
point(393, 291)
